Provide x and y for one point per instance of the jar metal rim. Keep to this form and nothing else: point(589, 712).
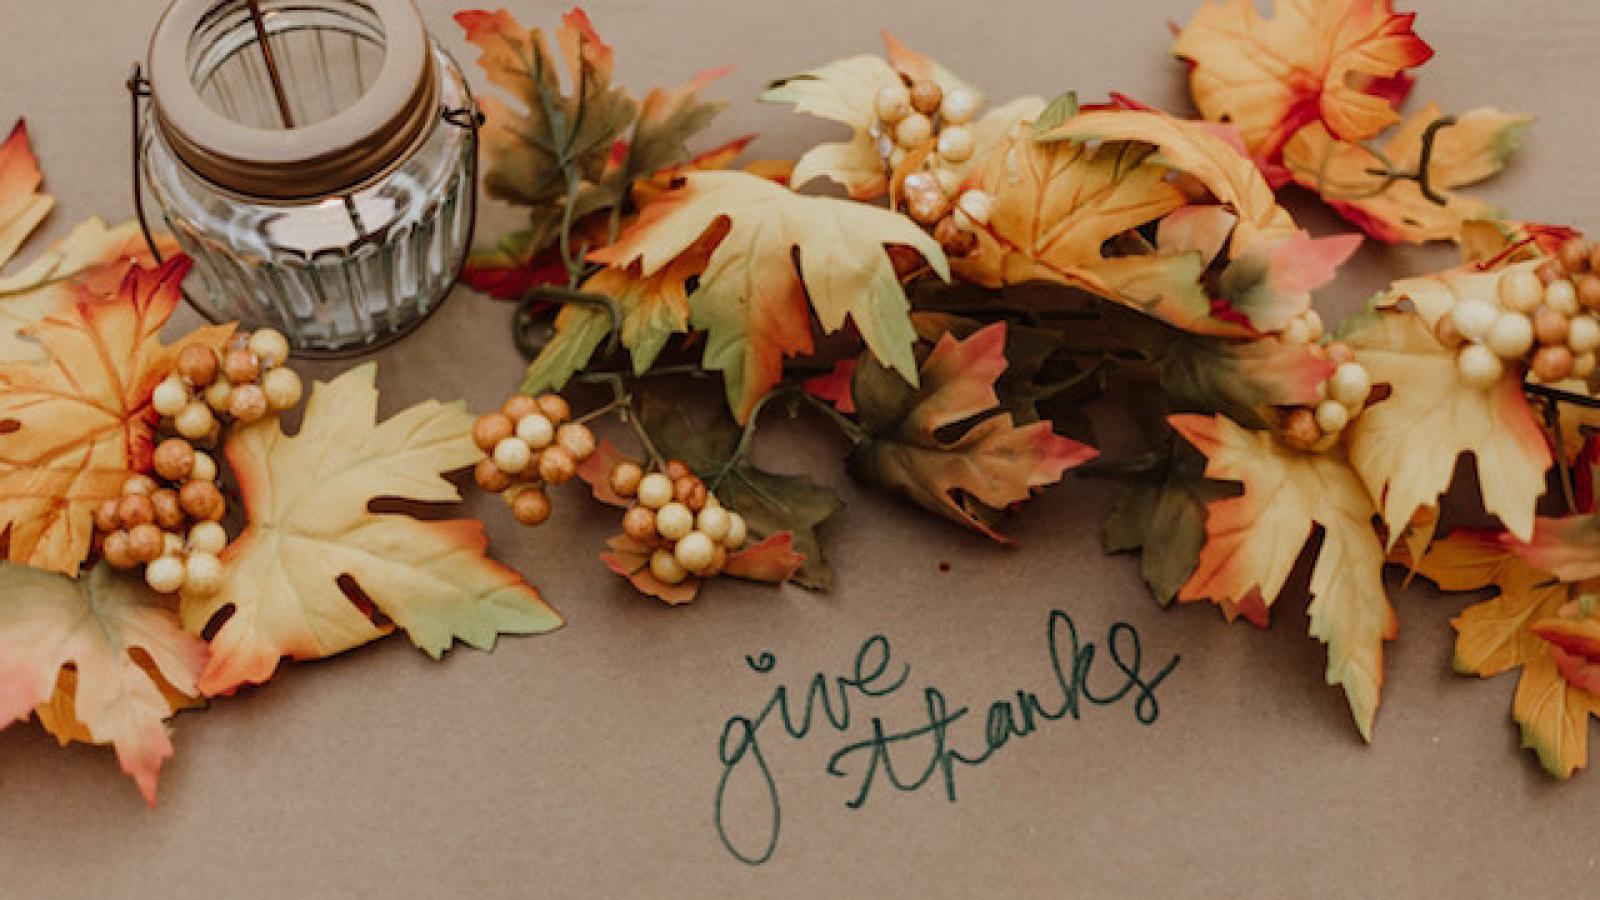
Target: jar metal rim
point(322, 158)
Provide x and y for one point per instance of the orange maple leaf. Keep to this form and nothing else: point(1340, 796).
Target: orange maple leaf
point(1338, 62)
point(72, 427)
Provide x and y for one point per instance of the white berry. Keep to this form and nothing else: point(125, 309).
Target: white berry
point(164, 575)
point(1511, 336)
point(1474, 318)
point(194, 421)
point(1520, 290)
point(956, 144)
point(959, 106)
point(170, 396)
point(737, 532)
point(892, 103)
point(512, 455)
point(536, 430)
point(976, 205)
point(203, 575)
point(674, 520)
point(695, 551)
point(666, 568)
point(713, 522)
point(208, 537)
point(1583, 365)
point(1478, 366)
point(1296, 332)
point(655, 491)
point(1350, 384)
point(1313, 320)
point(1583, 334)
point(1562, 297)
point(282, 387)
point(270, 346)
point(205, 468)
point(219, 395)
point(913, 130)
point(1332, 416)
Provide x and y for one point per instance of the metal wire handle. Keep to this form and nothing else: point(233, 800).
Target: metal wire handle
point(467, 116)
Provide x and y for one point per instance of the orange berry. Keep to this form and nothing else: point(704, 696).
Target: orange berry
point(139, 484)
point(240, 366)
point(145, 542)
point(1549, 326)
point(202, 501)
point(625, 478)
point(519, 405)
point(491, 477)
point(1552, 363)
point(169, 515)
point(1550, 270)
point(576, 439)
point(491, 429)
point(135, 509)
point(198, 365)
point(1574, 254)
point(691, 492)
point(926, 96)
point(1300, 429)
point(248, 403)
point(531, 506)
point(1340, 353)
point(639, 524)
point(116, 552)
point(556, 465)
point(554, 407)
point(678, 469)
point(174, 459)
point(105, 516)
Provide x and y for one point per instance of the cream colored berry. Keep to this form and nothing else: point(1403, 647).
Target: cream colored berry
point(282, 387)
point(713, 522)
point(165, 575)
point(202, 575)
point(1520, 290)
point(1474, 318)
point(738, 532)
point(208, 537)
point(1313, 320)
point(1583, 334)
point(270, 346)
point(219, 395)
point(694, 551)
point(512, 455)
point(536, 430)
point(170, 396)
point(892, 103)
point(1583, 365)
point(666, 568)
point(1511, 336)
point(655, 491)
point(674, 520)
point(1478, 366)
point(959, 107)
point(1332, 416)
point(956, 144)
point(913, 130)
point(171, 544)
point(948, 179)
point(976, 205)
point(205, 468)
point(1296, 332)
point(1350, 384)
point(194, 421)
point(1561, 296)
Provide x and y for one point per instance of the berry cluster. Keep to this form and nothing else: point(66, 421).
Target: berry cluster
point(1544, 317)
point(247, 382)
point(531, 442)
point(1344, 396)
point(689, 531)
point(919, 117)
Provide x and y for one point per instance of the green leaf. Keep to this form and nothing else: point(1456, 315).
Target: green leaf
point(1163, 514)
point(579, 329)
point(1058, 112)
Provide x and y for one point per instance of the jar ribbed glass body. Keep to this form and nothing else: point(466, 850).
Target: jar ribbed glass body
point(345, 269)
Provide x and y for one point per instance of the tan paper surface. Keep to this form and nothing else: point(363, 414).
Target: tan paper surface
point(586, 763)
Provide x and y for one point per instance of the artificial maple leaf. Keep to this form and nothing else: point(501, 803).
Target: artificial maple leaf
point(1253, 541)
point(752, 293)
point(22, 205)
point(992, 464)
point(75, 425)
point(1405, 448)
point(309, 528)
point(771, 503)
point(771, 560)
point(1338, 63)
point(1271, 282)
point(1499, 635)
point(1162, 515)
point(1348, 175)
point(96, 624)
point(1199, 150)
point(1574, 648)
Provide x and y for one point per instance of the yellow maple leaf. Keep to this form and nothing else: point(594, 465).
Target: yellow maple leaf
point(1200, 150)
point(1405, 447)
point(101, 625)
point(77, 423)
point(752, 294)
point(1498, 636)
point(1349, 176)
point(1328, 61)
point(307, 499)
point(1253, 541)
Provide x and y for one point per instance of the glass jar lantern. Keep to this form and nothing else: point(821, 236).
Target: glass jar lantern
point(316, 158)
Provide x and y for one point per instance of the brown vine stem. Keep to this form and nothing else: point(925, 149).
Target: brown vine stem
point(1389, 173)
